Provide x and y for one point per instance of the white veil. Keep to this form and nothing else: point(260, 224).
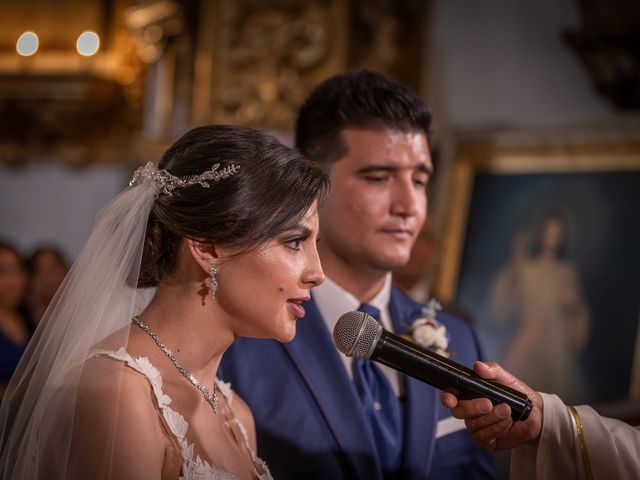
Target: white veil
point(39, 420)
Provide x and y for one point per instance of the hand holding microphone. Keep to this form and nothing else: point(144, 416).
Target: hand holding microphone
point(359, 335)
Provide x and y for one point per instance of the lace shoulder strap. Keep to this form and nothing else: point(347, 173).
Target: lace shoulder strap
point(262, 471)
point(174, 421)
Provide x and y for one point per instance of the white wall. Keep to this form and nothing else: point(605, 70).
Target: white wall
point(46, 202)
point(504, 64)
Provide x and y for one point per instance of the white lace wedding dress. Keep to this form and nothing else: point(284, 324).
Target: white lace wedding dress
point(193, 467)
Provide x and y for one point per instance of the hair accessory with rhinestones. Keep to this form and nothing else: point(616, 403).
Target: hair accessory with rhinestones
point(166, 182)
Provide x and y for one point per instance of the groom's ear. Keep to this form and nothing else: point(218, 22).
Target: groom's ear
point(204, 254)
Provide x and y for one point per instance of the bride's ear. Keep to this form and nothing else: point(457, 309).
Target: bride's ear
point(204, 254)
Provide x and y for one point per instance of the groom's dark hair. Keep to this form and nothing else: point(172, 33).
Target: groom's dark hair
point(362, 98)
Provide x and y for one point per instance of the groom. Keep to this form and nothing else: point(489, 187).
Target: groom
point(319, 414)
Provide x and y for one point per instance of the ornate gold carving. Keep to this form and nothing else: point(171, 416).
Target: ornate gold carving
point(250, 62)
point(257, 61)
point(262, 55)
point(376, 32)
point(151, 25)
point(385, 35)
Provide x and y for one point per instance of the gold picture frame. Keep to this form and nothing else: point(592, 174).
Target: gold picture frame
point(515, 164)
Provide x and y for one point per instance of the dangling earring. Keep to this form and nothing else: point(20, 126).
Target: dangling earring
point(213, 284)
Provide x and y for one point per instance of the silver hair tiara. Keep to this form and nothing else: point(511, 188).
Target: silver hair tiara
point(166, 183)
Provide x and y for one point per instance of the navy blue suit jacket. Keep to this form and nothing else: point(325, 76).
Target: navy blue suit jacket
point(308, 417)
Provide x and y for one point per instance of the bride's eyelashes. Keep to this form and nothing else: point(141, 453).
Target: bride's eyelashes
point(295, 243)
point(295, 238)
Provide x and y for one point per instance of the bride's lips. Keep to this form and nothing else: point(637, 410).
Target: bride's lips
point(295, 306)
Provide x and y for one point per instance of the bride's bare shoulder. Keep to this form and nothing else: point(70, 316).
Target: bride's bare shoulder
point(115, 412)
point(114, 377)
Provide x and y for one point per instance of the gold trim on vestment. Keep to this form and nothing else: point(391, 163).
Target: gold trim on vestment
point(582, 442)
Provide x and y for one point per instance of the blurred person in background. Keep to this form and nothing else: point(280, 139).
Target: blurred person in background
point(14, 331)
point(47, 268)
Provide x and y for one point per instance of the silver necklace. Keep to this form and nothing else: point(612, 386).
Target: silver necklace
point(212, 399)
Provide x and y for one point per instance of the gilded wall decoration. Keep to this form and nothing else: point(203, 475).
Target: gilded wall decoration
point(261, 57)
point(167, 65)
point(257, 61)
point(387, 35)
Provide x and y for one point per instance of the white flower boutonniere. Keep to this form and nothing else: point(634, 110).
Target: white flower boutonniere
point(429, 333)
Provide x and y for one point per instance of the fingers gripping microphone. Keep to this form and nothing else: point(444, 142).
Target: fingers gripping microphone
point(359, 335)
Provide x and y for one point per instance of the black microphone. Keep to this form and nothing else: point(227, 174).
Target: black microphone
point(359, 335)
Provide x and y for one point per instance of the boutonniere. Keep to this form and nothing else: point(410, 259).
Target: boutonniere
point(428, 332)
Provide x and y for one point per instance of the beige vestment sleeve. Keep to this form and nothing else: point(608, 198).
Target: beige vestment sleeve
point(612, 447)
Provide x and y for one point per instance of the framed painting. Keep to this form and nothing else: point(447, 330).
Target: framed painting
point(541, 250)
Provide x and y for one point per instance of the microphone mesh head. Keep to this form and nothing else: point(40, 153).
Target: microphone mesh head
point(356, 334)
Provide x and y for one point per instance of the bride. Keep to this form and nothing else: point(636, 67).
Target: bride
point(119, 381)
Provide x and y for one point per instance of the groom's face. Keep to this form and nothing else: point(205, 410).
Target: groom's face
point(377, 202)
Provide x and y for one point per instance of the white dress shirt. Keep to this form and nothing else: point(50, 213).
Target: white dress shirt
point(333, 301)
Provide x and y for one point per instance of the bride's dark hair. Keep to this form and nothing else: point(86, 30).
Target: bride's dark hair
point(272, 190)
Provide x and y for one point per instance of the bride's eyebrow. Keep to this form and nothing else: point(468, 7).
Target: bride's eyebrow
point(302, 230)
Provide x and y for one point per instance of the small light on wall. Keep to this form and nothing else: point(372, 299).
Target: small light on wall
point(27, 44)
point(88, 43)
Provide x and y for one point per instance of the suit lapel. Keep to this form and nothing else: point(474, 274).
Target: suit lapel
point(421, 399)
point(318, 361)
